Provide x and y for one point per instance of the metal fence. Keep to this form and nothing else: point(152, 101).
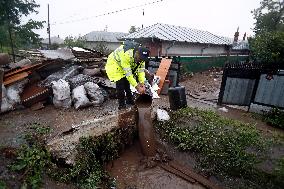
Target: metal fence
point(243, 84)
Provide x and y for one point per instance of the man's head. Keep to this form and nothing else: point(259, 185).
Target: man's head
point(141, 54)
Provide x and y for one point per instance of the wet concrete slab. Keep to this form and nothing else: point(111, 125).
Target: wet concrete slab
point(67, 126)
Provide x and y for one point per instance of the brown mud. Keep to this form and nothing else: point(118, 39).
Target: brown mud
point(145, 126)
point(130, 173)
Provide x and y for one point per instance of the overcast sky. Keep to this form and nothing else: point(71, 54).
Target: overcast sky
point(78, 17)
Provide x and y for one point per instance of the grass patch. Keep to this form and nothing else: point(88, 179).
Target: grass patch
point(224, 147)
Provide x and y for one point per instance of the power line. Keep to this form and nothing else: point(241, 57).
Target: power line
point(108, 13)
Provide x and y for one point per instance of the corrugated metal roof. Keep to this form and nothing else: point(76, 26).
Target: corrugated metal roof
point(104, 36)
point(177, 33)
point(64, 54)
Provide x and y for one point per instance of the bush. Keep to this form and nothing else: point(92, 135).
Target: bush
point(275, 117)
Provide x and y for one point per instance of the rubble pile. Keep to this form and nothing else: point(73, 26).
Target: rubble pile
point(62, 77)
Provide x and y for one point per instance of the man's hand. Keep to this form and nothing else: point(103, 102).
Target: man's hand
point(140, 88)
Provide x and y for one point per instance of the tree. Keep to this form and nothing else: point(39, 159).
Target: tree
point(268, 43)
point(269, 16)
point(133, 29)
point(268, 47)
point(19, 34)
point(102, 48)
point(71, 41)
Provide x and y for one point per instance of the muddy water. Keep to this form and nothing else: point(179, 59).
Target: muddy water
point(130, 173)
point(145, 126)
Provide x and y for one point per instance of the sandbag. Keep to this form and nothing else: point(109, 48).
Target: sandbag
point(80, 99)
point(94, 93)
point(92, 72)
point(81, 79)
point(5, 104)
point(61, 92)
point(64, 74)
point(14, 91)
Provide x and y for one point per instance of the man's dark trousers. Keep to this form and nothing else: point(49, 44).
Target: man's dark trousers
point(122, 88)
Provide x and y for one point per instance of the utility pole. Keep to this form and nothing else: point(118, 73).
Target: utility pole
point(48, 27)
point(143, 19)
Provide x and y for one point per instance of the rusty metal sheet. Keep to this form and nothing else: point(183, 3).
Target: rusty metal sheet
point(15, 78)
point(24, 69)
point(33, 94)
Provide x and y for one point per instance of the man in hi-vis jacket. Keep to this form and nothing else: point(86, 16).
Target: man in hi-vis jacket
point(125, 66)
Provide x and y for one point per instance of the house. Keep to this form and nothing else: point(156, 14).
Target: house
point(240, 48)
point(170, 40)
point(103, 39)
point(55, 41)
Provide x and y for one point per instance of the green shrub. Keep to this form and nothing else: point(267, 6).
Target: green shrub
point(275, 117)
point(224, 145)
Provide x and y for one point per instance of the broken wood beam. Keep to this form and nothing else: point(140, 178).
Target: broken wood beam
point(162, 72)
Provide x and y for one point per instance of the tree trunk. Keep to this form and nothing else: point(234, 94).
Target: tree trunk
point(11, 41)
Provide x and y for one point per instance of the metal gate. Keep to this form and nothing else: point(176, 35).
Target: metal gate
point(243, 84)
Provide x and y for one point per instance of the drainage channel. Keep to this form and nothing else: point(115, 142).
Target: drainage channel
point(149, 147)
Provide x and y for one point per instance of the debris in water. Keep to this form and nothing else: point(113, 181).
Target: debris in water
point(162, 115)
point(223, 109)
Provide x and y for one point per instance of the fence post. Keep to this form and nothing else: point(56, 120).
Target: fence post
point(223, 85)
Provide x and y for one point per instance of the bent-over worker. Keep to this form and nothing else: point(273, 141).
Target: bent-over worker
point(125, 66)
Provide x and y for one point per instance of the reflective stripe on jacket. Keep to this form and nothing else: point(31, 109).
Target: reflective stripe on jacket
point(121, 64)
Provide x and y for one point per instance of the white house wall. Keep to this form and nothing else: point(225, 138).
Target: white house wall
point(190, 49)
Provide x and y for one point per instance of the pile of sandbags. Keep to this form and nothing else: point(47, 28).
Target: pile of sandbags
point(82, 95)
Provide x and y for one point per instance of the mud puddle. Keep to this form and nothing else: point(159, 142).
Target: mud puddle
point(145, 164)
point(130, 173)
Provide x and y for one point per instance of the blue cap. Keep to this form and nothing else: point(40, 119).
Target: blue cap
point(144, 53)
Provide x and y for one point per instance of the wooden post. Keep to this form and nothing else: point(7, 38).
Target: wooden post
point(1, 83)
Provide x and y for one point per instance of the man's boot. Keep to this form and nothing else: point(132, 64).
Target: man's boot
point(121, 104)
point(130, 101)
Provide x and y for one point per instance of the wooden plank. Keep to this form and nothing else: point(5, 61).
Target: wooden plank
point(177, 173)
point(1, 83)
point(162, 72)
point(190, 173)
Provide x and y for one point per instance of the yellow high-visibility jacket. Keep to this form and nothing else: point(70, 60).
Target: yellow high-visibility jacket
point(121, 64)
